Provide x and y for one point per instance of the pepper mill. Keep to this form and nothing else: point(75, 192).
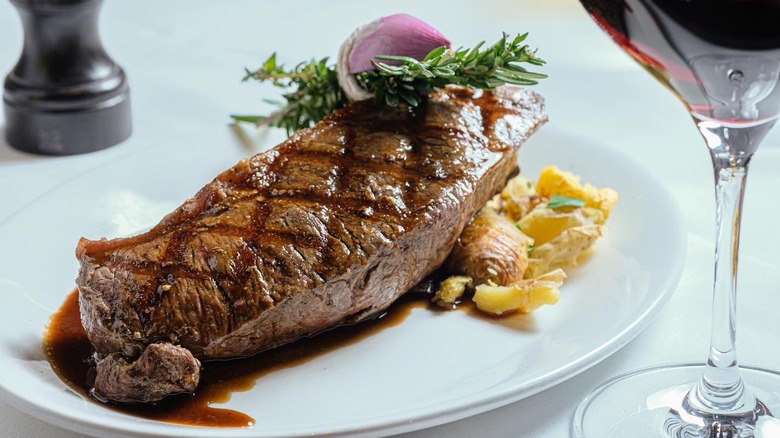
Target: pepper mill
point(65, 95)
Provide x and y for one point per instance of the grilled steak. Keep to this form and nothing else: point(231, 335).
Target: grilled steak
point(329, 227)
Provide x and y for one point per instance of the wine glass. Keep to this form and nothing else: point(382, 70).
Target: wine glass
point(722, 59)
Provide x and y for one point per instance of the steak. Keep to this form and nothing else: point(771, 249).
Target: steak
point(329, 227)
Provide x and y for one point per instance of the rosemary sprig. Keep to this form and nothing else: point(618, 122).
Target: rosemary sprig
point(316, 94)
point(410, 80)
point(396, 79)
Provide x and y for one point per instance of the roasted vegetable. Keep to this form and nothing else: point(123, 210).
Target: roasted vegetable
point(524, 296)
point(451, 290)
point(564, 250)
point(516, 246)
point(490, 249)
point(554, 181)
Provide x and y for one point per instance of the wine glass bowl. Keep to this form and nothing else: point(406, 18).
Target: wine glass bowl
point(721, 58)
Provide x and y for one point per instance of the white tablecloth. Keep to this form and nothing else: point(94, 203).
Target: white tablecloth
point(185, 59)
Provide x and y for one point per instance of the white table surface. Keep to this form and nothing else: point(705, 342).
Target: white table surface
point(185, 60)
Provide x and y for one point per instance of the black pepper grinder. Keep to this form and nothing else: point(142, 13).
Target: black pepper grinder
point(65, 95)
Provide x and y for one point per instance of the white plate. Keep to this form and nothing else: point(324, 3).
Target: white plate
point(432, 368)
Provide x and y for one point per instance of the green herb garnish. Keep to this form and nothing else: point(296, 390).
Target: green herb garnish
point(312, 90)
point(316, 94)
point(559, 201)
point(409, 80)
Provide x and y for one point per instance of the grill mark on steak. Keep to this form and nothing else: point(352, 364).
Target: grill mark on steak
point(228, 301)
point(329, 227)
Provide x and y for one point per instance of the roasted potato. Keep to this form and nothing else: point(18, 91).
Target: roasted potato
point(544, 224)
point(524, 296)
point(516, 246)
point(554, 181)
point(562, 251)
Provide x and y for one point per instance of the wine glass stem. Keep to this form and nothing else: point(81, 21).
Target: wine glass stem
point(720, 388)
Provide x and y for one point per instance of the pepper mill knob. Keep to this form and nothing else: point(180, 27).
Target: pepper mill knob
point(65, 95)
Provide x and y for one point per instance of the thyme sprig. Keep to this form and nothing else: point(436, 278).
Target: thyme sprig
point(316, 91)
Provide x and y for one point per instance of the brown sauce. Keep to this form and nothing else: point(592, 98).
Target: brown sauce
point(70, 353)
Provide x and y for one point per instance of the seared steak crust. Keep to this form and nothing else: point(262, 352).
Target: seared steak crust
point(331, 226)
point(162, 369)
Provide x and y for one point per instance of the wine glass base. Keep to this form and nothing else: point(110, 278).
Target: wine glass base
point(651, 403)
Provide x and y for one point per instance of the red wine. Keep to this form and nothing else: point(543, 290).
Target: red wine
point(721, 57)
